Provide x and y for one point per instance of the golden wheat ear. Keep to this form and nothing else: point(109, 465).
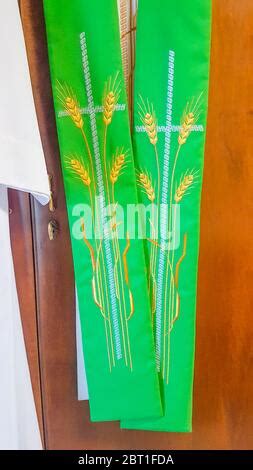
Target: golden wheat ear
point(119, 163)
point(69, 101)
point(187, 181)
point(148, 119)
point(76, 167)
point(111, 96)
point(145, 182)
point(189, 119)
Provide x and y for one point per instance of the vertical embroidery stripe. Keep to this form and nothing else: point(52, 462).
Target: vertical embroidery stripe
point(164, 208)
point(95, 142)
point(124, 37)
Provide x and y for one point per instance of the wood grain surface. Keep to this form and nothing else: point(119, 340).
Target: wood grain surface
point(223, 389)
point(22, 249)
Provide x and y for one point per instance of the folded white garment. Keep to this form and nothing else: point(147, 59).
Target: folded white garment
point(22, 166)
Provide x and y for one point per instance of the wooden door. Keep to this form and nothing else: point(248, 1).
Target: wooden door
point(223, 389)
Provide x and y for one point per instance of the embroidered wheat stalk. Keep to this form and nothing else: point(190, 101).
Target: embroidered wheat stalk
point(117, 167)
point(111, 97)
point(185, 184)
point(109, 105)
point(78, 168)
point(75, 165)
point(119, 162)
point(151, 127)
point(110, 100)
point(68, 99)
point(70, 103)
point(148, 119)
point(73, 109)
point(146, 184)
point(189, 119)
point(186, 127)
point(116, 170)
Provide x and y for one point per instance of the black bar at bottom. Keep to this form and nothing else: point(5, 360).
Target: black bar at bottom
point(108, 459)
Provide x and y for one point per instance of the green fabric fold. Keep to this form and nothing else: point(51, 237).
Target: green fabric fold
point(98, 171)
point(171, 95)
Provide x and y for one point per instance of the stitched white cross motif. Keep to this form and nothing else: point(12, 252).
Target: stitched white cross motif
point(97, 109)
point(172, 128)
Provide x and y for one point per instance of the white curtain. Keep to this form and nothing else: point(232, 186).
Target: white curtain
point(22, 166)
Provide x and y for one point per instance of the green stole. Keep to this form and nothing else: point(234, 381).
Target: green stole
point(171, 93)
point(98, 170)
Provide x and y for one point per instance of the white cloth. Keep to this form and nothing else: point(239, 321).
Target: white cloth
point(18, 421)
point(22, 166)
point(82, 388)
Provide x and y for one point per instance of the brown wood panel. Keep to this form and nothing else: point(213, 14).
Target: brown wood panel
point(223, 405)
point(22, 249)
point(54, 270)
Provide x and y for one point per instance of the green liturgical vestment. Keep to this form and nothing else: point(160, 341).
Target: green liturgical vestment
point(170, 108)
point(99, 177)
point(136, 283)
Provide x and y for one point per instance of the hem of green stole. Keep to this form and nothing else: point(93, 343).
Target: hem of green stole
point(152, 428)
